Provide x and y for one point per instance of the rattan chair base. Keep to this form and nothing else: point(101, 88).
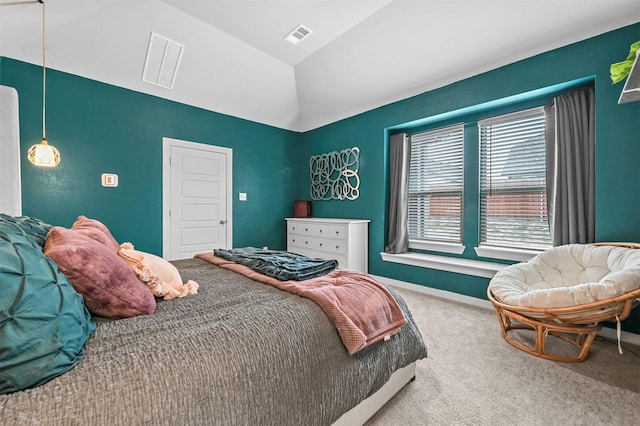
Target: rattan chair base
point(577, 325)
point(579, 336)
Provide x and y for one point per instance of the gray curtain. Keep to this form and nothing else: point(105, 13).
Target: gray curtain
point(570, 136)
point(399, 161)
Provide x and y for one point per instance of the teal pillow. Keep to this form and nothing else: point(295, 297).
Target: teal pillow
point(44, 323)
point(31, 226)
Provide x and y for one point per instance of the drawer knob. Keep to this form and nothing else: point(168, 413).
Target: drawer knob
point(320, 244)
point(306, 229)
point(306, 242)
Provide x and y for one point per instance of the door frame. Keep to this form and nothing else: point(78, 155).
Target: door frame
point(167, 143)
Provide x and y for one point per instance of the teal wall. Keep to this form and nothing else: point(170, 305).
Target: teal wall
point(101, 128)
point(617, 150)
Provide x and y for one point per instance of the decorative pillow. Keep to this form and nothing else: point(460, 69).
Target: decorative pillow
point(31, 226)
point(96, 230)
point(44, 323)
point(109, 287)
point(162, 278)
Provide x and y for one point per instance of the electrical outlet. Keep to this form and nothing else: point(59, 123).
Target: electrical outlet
point(243, 196)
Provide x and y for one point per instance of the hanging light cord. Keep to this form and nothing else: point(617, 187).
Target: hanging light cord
point(44, 76)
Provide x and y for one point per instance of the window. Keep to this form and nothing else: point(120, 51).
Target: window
point(513, 194)
point(435, 187)
point(493, 200)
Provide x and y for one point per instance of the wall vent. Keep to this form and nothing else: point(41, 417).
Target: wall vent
point(298, 34)
point(162, 61)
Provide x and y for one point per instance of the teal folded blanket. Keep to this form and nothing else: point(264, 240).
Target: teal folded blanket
point(281, 265)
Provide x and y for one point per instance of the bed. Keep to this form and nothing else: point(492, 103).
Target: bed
point(227, 351)
point(238, 352)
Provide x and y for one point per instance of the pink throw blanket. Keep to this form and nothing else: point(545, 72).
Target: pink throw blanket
point(361, 308)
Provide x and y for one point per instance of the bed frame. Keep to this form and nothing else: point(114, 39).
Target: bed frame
point(362, 412)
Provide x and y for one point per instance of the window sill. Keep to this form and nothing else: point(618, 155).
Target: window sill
point(506, 253)
point(436, 246)
point(477, 268)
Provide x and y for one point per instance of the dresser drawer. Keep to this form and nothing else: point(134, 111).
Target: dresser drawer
point(317, 244)
point(299, 228)
point(333, 231)
point(343, 261)
point(318, 230)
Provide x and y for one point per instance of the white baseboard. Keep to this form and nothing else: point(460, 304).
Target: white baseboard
point(625, 336)
point(444, 294)
point(606, 332)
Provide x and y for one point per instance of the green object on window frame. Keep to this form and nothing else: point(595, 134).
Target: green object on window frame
point(620, 70)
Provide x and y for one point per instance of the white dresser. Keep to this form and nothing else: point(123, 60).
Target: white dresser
point(346, 240)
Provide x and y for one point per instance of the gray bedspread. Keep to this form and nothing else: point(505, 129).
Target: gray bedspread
point(237, 353)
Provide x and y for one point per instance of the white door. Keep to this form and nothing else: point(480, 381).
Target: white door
point(197, 182)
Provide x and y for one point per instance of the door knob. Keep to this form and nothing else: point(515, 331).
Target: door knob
point(222, 222)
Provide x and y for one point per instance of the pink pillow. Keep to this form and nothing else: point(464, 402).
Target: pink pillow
point(109, 287)
point(162, 278)
point(96, 230)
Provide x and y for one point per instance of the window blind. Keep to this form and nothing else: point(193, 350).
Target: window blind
point(435, 185)
point(513, 195)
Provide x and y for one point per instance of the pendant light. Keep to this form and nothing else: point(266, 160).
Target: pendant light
point(43, 154)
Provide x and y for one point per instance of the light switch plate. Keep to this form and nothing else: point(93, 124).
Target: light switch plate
point(242, 196)
point(109, 180)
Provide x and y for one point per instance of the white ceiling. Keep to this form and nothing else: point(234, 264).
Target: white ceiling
point(362, 53)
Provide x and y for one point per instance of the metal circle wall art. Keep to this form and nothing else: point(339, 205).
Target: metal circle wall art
point(335, 175)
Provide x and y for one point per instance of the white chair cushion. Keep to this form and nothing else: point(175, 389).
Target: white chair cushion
point(569, 275)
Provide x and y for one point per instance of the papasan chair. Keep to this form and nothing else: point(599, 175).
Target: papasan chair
point(565, 293)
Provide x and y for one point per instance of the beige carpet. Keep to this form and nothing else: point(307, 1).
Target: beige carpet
point(474, 377)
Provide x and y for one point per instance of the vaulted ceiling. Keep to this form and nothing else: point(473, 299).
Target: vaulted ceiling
point(361, 54)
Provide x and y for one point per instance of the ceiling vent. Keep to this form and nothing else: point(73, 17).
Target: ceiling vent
point(298, 34)
point(162, 61)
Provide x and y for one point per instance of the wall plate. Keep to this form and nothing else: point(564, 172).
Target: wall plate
point(109, 180)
